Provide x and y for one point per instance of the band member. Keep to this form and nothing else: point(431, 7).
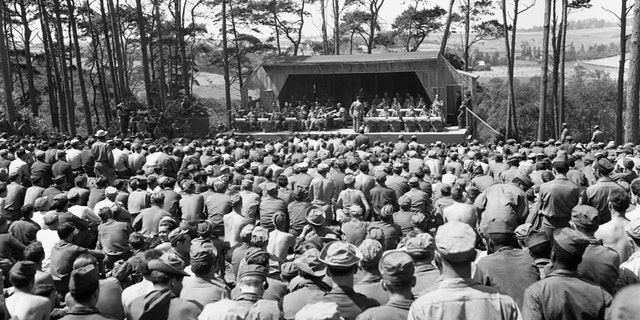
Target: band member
point(436, 106)
point(413, 112)
point(277, 118)
point(409, 101)
point(421, 103)
point(396, 104)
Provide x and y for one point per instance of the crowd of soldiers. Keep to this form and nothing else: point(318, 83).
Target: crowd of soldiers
point(318, 227)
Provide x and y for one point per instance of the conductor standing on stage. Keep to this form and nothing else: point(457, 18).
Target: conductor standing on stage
point(356, 111)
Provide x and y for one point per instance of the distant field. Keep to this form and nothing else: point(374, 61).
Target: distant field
point(586, 37)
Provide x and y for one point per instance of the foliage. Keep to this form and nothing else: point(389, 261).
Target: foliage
point(590, 95)
point(415, 25)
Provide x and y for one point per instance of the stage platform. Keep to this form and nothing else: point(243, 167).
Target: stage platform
point(451, 135)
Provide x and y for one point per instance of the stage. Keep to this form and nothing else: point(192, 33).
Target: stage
point(451, 135)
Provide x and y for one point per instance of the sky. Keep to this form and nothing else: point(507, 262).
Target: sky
point(531, 18)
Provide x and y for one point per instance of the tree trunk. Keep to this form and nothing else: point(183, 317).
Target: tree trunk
point(68, 106)
point(6, 74)
point(58, 77)
point(297, 42)
point(632, 113)
point(555, 44)
point(467, 34)
point(48, 53)
point(18, 71)
point(325, 36)
point(510, 64)
point(72, 111)
point(623, 52)
point(27, 52)
point(277, 29)
point(563, 50)
point(336, 27)
point(183, 49)
point(447, 28)
point(145, 53)
point(514, 119)
point(225, 60)
point(163, 79)
point(112, 69)
point(83, 88)
point(237, 46)
point(98, 58)
point(543, 79)
point(117, 47)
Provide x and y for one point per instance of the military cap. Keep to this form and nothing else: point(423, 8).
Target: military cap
point(319, 311)
point(60, 198)
point(413, 181)
point(245, 233)
point(23, 269)
point(259, 236)
point(340, 254)
point(100, 133)
point(84, 280)
point(560, 158)
point(172, 267)
point(585, 217)
point(110, 191)
point(50, 218)
point(204, 228)
point(73, 194)
point(419, 220)
point(499, 226)
point(536, 238)
point(603, 165)
point(371, 252)
point(572, 241)
point(396, 266)
point(315, 215)
point(202, 254)
point(289, 269)
point(404, 200)
point(633, 229)
point(175, 235)
point(589, 158)
point(42, 204)
point(431, 153)
point(387, 210)
point(309, 263)
point(397, 165)
point(254, 270)
point(422, 244)
point(323, 167)
point(380, 175)
point(270, 186)
point(456, 241)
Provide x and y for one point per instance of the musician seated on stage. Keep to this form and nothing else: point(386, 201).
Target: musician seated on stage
point(408, 101)
point(341, 117)
point(421, 104)
point(388, 112)
point(373, 112)
point(277, 117)
point(413, 112)
point(396, 104)
point(436, 106)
